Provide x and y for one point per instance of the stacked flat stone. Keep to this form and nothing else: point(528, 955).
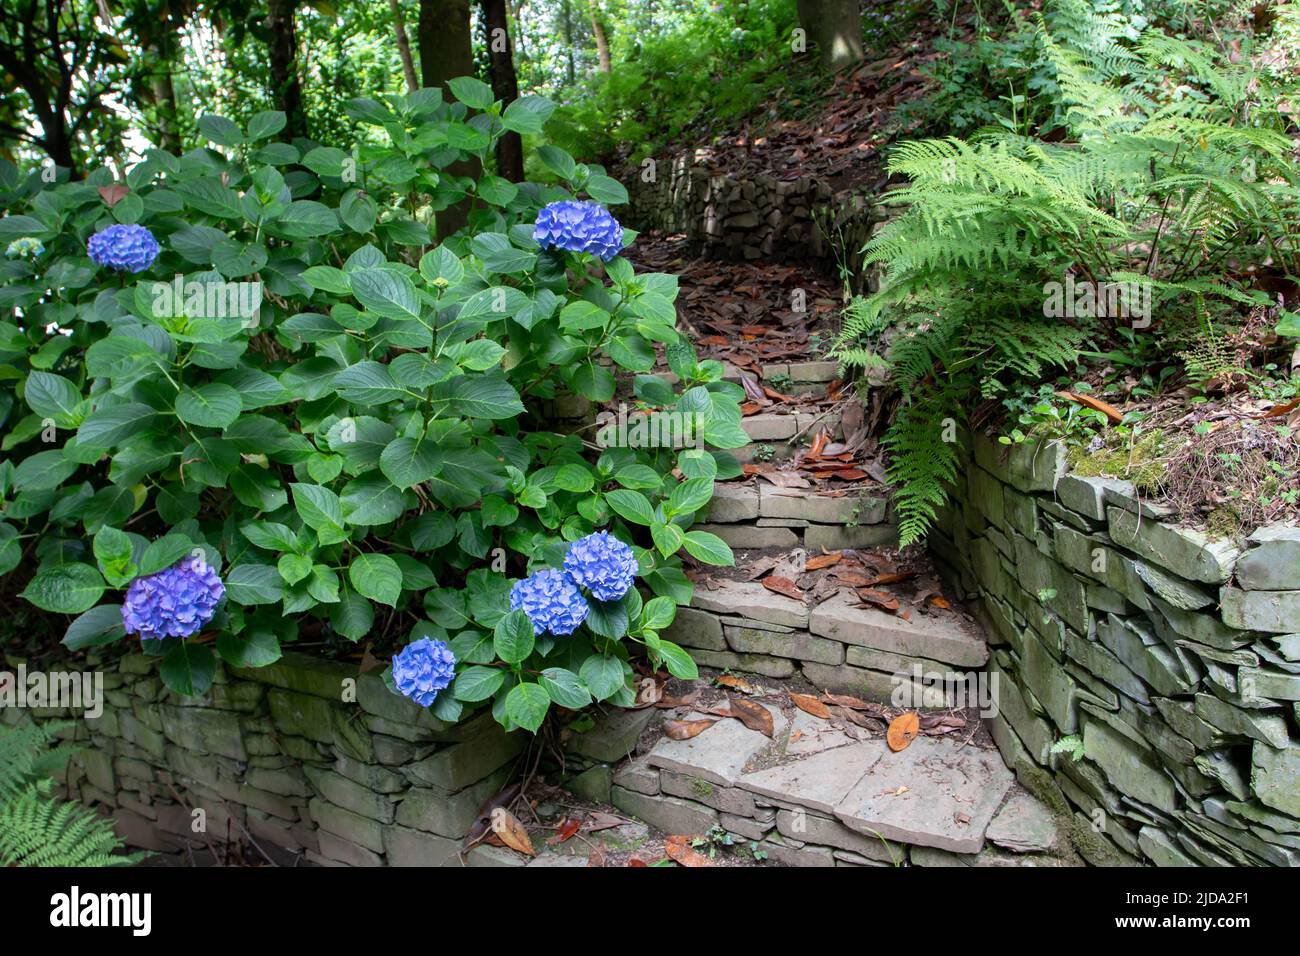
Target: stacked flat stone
point(1173, 658)
point(810, 795)
point(741, 217)
point(305, 756)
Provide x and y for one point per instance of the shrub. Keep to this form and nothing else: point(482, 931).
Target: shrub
point(366, 454)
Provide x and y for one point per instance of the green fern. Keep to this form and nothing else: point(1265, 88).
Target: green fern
point(37, 828)
point(1147, 186)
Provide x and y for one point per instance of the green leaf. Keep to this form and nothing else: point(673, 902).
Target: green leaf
point(477, 683)
point(527, 114)
point(498, 192)
point(709, 548)
point(328, 279)
point(410, 461)
point(293, 567)
point(473, 93)
point(222, 131)
point(353, 616)
point(605, 190)
point(66, 589)
point(594, 382)
point(678, 662)
point(368, 383)
point(255, 647)
point(322, 511)
point(667, 537)
point(513, 637)
point(212, 405)
point(254, 584)
point(376, 576)
point(264, 124)
point(602, 675)
point(576, 478)
point(53, 396)
point(489, 395)
point(631, 506)
point(526, 705)
point(608, 618)
point(690, 496)
point(386, 292)
point(581, 315)
point(188, 669)
point(164, 552)
point(441, 265)
point(100, 625)
point(565, 688)
point(658, 613)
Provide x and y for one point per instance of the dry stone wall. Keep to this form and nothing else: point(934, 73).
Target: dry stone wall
point(305, 758)
point(742, 216)
point(1149, 677)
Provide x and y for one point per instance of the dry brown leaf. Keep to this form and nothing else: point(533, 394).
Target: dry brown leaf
point(820, 561)
point(938, 600)
point(893, 577)
point(686, 729)
point(598, 820)
point(511, 832)
point(113, 194)
point(753, 715)
point(880, 599)
point(1110, 411)
point(567, 829)
point(811, 705)
point(681, 852)
point(902, 731)
point(735, 683)
point(783, 586)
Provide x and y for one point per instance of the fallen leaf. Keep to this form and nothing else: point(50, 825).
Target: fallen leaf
point(880, 599)
point(680, 851)
point(938, 600)
point(735, 683)
point(511, 832)
point(820, 561)
point(632, 861)
point(686, 729)
point(598, 820)
point(1110, 411)
point(1279, 410)
point(753, 715)
point(892, 578)
point(783, 586)
point(902, 731)
point(811, 705)
point(567, 829)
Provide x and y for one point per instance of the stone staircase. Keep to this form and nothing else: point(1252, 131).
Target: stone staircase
point(817, 791)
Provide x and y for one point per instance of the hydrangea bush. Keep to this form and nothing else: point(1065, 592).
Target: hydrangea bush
point(364, 454)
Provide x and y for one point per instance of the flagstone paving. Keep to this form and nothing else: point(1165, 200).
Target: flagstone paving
point(937, 792)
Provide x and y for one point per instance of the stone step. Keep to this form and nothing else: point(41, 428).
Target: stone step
point(851, 796)
point(751, 516)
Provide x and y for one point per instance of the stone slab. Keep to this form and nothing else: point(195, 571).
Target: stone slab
point(750, 599)
point(718, 754)
point(614, 735)
point(819, 782)
point(1023, 825)
point(930, 794)
point(946, 638)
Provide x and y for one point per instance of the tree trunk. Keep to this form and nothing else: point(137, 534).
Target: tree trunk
point(835, 28)
point(566, 20)
point(403, 46)
point(283, 52)
point(446, 52)
point(163, 88)
point(505, 86)
point(602, 41)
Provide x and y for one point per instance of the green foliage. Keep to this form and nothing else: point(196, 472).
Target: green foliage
point(367, 454)
point(1148, 188)
point(36, 828)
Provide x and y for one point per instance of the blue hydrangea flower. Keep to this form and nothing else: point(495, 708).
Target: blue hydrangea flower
point(422, 669)
point(551, 600)
point(131, 248)
point(602, 564)
point(26, 246)
point(175, 602)
point(579, 227)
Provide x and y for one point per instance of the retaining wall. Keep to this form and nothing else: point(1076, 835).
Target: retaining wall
point(1162, 666)
point(741, 217)
point(305, 757)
